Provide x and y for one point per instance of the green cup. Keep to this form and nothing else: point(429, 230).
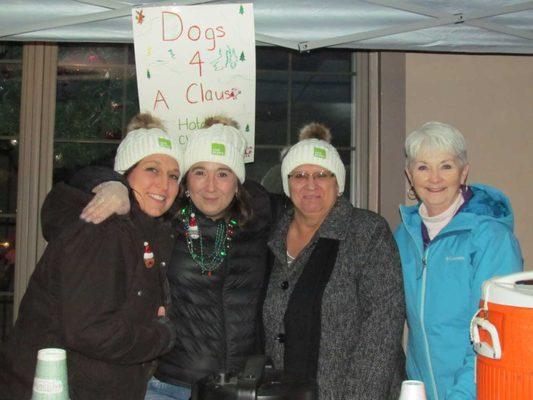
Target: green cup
point(51, 382)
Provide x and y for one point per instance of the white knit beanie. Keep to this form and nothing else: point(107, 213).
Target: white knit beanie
point(220, 144)
point(143, 142)
point(316, 152)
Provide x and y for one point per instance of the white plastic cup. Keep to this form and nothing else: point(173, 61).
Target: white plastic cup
point(51, 381)
point(413, 390)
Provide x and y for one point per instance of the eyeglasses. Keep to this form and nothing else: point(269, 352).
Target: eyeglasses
point(300, 177)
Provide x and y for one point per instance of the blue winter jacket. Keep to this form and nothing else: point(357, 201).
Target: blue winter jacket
point(443, 287)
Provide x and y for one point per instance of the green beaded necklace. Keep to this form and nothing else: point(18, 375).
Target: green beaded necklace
point(208, 263)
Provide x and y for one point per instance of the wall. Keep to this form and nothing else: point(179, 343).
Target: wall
point(381, 118)
point(490, 99)
point(391, 135)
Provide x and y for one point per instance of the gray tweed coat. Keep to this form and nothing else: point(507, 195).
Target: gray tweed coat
point(363, 311)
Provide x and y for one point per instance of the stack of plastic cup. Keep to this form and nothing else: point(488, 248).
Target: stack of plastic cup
point(413, 390)
point(51, 382)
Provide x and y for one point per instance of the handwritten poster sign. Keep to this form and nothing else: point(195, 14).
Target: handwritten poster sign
point(196, 61)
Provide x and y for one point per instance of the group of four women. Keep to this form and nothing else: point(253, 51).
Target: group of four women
point(315, 284)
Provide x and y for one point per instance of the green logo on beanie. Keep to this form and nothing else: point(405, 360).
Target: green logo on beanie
point(163, 142)
point(218, 149)
point(319, 152)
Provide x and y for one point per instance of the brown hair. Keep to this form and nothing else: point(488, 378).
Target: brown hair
point(145, 121)
point(241, 206)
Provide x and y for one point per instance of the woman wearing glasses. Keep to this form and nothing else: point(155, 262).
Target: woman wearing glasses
point(334, 307)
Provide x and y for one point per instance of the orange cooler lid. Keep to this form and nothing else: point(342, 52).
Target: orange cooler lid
point(510, 290)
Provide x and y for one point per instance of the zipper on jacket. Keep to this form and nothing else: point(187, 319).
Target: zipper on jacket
point(223, 312)
point(422, 311)
point(424, 255)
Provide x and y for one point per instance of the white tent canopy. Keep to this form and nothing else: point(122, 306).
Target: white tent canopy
point(475, 26)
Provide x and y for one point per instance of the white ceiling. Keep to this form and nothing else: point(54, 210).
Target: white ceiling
point(475, 26)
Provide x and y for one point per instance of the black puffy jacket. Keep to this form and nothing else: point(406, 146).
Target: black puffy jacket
point(217, 316)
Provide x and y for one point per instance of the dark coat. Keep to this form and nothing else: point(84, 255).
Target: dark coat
point(217, 316)
point(92, 294)
point(362, 310)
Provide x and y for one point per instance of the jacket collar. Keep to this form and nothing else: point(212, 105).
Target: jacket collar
point(469, 217)
point(413, 223)
point(148, 225)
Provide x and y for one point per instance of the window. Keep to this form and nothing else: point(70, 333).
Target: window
point(294, 89)
point(10, 90)
point(96, 98)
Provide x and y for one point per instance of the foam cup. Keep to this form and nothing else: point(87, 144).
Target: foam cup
point(51, 382)
point(413, 390)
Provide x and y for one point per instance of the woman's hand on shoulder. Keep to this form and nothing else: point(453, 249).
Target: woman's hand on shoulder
point(110, 198)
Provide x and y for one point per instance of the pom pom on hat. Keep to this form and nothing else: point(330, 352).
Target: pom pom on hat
point(315, 130)
point(220, 144)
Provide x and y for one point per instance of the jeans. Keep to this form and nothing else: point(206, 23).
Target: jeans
point(158, 390)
